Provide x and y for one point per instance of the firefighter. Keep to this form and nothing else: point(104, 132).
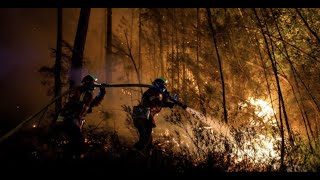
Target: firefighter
point(71, 117)
point(152, 101)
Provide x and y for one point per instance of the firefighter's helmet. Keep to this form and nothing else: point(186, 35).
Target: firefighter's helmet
point(160, 84)
point(89, 81)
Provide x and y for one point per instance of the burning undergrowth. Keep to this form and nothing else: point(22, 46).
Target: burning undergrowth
point(254, 146)
point(192, 143)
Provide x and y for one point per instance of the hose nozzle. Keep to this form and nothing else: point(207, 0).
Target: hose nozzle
point(100, 85)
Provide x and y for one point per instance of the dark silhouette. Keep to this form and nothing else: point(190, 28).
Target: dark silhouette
point(152, 101)
point(71, 117)
point(79, 45)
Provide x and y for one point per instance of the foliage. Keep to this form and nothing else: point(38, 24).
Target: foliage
point(183, 37)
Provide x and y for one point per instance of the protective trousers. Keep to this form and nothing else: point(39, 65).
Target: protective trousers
point(144, 127)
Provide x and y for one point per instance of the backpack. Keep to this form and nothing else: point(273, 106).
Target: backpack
point(140, 112)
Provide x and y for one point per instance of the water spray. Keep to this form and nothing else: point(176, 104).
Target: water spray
point(215, 125)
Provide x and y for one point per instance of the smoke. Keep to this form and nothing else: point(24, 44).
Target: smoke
point(25, 39)
point(25, 45)
point(6, 66)
point(76, 76)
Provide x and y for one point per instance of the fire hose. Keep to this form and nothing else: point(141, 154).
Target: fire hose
point(19, 126)
point(123, 85)
point(172, 98)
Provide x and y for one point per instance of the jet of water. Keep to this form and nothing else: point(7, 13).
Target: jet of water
point(212, 124)
point(257, 148)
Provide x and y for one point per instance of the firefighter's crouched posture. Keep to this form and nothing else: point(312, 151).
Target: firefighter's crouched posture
point(153, 100)
point(71, 117)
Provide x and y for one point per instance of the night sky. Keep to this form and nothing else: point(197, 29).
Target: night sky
point(25, 39)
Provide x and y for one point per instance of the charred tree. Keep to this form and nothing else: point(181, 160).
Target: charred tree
point(282, 109)
point(225, 113)
point(78, 47)
point(139, 48)
point(109, 49)
point(57, 66)
point(304, 115)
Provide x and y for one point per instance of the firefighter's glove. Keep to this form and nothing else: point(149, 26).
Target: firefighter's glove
point(174, 97)
point(184, 106)
point(166, 94)
point(103, 87)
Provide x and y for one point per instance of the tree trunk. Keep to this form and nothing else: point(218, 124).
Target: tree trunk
point(199, 82)
point(172, 46)
point(183, 60)
point(140, 59)
point(57, 68)
point(225, 113)
point(130, 55)
point(282, 109)
point(159, 24)
point(139, 51)
point(154, 60)
point(109, 50)
point(294, 73)
point(78, 47)
point(177, 64)
point(268, 84)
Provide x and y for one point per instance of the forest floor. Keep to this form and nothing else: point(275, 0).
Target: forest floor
point(26, 152)
point(34, 152)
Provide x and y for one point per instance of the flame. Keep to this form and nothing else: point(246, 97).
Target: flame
point(261, 148)
point(257, 148)
point(166, 133)
point(263, 110)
